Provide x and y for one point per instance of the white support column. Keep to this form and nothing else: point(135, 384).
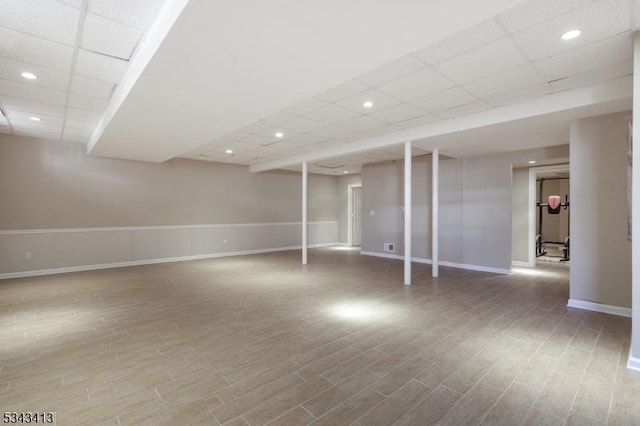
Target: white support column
point(634, 354)
point(304, 213)
point(407, 213)
point(435, 183)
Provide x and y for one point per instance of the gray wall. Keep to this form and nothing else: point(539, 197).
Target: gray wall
point(520, 215)
point(475, 206)
point(600, 251)
point(343, 205)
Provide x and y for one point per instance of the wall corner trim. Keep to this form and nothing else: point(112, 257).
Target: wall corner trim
point(633, 363)
point(598, 307)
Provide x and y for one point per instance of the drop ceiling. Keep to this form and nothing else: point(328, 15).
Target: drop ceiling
point(197, 79)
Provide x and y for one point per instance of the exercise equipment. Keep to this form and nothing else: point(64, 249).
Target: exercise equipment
point(554, 204)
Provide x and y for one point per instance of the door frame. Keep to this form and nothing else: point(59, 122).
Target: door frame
point(350, 218)
point(533, 175)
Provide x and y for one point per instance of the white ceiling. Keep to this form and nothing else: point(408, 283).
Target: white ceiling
point(78, 49)
point(303, 69)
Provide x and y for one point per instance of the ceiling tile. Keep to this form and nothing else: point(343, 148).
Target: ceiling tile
point(36, 127)
point(87, 126)
point(445, 100)
point(417, 85)
point(31, 92)
point(255, 128)
point(108, 37)
point(47, 19)
point(33, 50)
point(100, 67)
point(398, 113)
point(529, 13)
point(520, 95)
point(15, 115)
point(33, 107)
point(331, 114)
point(269, 135)
point(418, 121)
point(139, 13)
point(91, 87)
point(386, 129)
point(380, 101)
point(464, 109)
point(277, 118)
point(10, 70)
point(362, 124)
point(474, 37)
point(607, 72)
point(84, 102)
point(331, 132)
point(74, 3)
point(611, 51)
point(399, 68)
point(343, 91)
point(82, 114)
point(507, 81)
point(306, 106)
point(597, 21)
point(484, 61)
point(303, 125)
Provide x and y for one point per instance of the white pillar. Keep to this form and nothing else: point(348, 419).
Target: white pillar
point(634, 355)
point(407, 213)
point(435, 177)
point(304, 212)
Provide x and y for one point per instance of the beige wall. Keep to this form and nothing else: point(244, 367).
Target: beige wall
point(62, 210)
point(52, 184)
point(600, 251)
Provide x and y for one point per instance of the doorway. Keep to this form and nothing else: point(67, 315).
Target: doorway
point(549, 219)
point(355, 215)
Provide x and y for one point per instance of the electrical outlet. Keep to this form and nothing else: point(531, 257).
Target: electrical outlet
point(27, 255)
point(389, 247)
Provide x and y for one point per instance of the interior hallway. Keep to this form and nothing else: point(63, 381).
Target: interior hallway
point(260, 339)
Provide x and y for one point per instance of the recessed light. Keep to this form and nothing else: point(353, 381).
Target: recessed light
point(229, 151)
point(279, 135)
point(36, 118)
point(367, 104)
point(532, 162)
point(569, 35)
point(345, 172)
point(29, 75)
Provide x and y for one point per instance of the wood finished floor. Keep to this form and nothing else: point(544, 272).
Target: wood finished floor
point(263, 340)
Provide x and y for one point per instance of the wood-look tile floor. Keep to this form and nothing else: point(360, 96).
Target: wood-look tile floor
point(263, 340)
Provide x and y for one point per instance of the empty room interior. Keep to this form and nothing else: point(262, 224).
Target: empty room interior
point(331, 213)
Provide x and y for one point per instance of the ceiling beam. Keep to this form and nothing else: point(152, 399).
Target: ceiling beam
point(602, 93)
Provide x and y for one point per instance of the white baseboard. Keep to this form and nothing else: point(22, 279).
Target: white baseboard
point(383, 255)
point(67, 269)
point(478, 268)
point(521, 264)
point(633, 363)
point(598, 307)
